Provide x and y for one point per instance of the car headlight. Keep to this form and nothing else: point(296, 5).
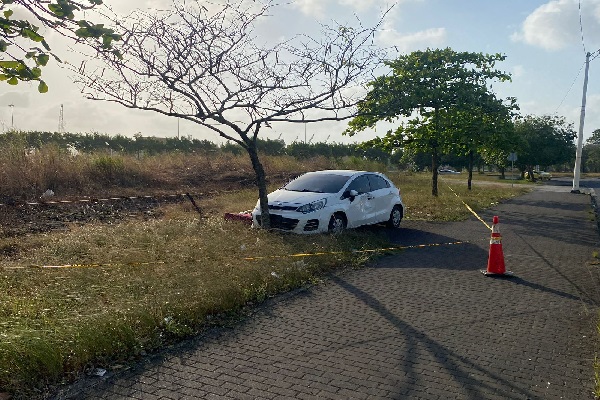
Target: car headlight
point(310, 207)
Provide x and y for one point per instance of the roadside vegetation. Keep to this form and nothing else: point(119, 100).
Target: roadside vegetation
point(134, 287)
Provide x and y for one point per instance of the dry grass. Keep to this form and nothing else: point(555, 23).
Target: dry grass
point(137, 286)
point(448, 206)
point(27, 174)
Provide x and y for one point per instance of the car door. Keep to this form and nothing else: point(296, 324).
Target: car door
point(381, 198)
point(360, 209)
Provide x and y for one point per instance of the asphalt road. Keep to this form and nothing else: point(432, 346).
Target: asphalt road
point(561, 183)
point(424, 323)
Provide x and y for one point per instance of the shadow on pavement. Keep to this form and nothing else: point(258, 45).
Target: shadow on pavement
point(586, 296)
point(427, 250)
point(523, 282)
point(454, 364)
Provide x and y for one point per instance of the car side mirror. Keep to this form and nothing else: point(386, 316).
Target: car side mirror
point(350, 194)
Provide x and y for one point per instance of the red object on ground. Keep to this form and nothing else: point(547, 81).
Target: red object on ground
point(243, 217)
point(495, 264)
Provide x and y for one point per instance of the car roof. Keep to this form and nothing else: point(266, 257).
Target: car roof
point(343, 172)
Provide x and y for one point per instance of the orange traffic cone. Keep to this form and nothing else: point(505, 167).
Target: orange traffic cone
point(495, 265)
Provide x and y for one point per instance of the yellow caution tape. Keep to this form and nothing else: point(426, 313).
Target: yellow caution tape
point(132, 264)
point(469, 208)
point(418, 246)
point(106, 199)
point(90, 265)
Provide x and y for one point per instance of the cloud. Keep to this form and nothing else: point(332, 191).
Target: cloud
point(358, 5)
point(555, 25)
point(390, 37)
point(314, 8)
point(319, 8)
point(518, 71)
point(18, 99)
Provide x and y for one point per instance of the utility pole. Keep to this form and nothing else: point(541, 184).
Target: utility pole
point(577, 171)
point(61, 120)
point(12, 116)
point(305, 133)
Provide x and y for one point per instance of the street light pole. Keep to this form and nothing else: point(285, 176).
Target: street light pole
point(12, 116)
point(577, 172)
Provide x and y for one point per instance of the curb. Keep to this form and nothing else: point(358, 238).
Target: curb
point(595, 206)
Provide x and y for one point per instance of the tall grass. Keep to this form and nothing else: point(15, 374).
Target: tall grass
point(27, 173)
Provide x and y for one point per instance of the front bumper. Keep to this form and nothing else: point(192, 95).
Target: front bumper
point(295, 222)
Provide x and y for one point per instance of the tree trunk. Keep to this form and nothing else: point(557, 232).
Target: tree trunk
point(530, 171)
point(434, 172)
point(502, 172)
point(434, 154)
point(470, 179)
point(261, 182)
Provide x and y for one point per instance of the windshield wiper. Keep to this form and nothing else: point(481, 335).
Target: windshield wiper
point(304, 190)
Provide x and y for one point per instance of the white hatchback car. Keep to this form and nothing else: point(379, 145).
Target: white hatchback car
point(333, 200)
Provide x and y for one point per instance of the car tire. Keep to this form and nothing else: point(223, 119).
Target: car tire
point(337, 224)
point(395, 217)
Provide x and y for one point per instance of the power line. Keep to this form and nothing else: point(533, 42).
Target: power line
point(571, 87)
point(581, 29)
point(593, 56)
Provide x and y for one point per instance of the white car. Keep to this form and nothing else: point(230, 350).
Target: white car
point(333, 200)
point(542, 175)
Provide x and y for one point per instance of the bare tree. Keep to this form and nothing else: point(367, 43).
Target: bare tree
point(203, 62)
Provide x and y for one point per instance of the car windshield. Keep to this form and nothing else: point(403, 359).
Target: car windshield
point(317, 183)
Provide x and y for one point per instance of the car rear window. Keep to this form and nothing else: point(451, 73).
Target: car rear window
point(318, 183)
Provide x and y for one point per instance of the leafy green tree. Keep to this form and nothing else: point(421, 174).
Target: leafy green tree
point(590, 158)
point(590, 155)
point(270, 147)
point(24, 51)
point(545, 141)
point(595, 138)
point(428, 87)
point(498, 152)
point(479, 126)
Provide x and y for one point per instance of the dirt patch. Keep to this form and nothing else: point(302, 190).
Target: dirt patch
point(28, 218)
point(18, 217)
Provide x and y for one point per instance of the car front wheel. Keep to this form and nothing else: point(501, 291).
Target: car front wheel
point(395, 217)
point(337, 224)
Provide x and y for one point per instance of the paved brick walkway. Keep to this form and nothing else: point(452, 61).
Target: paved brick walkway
point(422, 324)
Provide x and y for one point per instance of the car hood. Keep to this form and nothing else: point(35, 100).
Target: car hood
point(288, 197)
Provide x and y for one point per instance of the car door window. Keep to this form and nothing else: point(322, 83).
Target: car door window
point(360, 184)
point(377, 182)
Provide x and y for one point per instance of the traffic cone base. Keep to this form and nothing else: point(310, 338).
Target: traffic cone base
point(505, 274)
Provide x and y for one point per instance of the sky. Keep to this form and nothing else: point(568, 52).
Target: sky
point(545, 43)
